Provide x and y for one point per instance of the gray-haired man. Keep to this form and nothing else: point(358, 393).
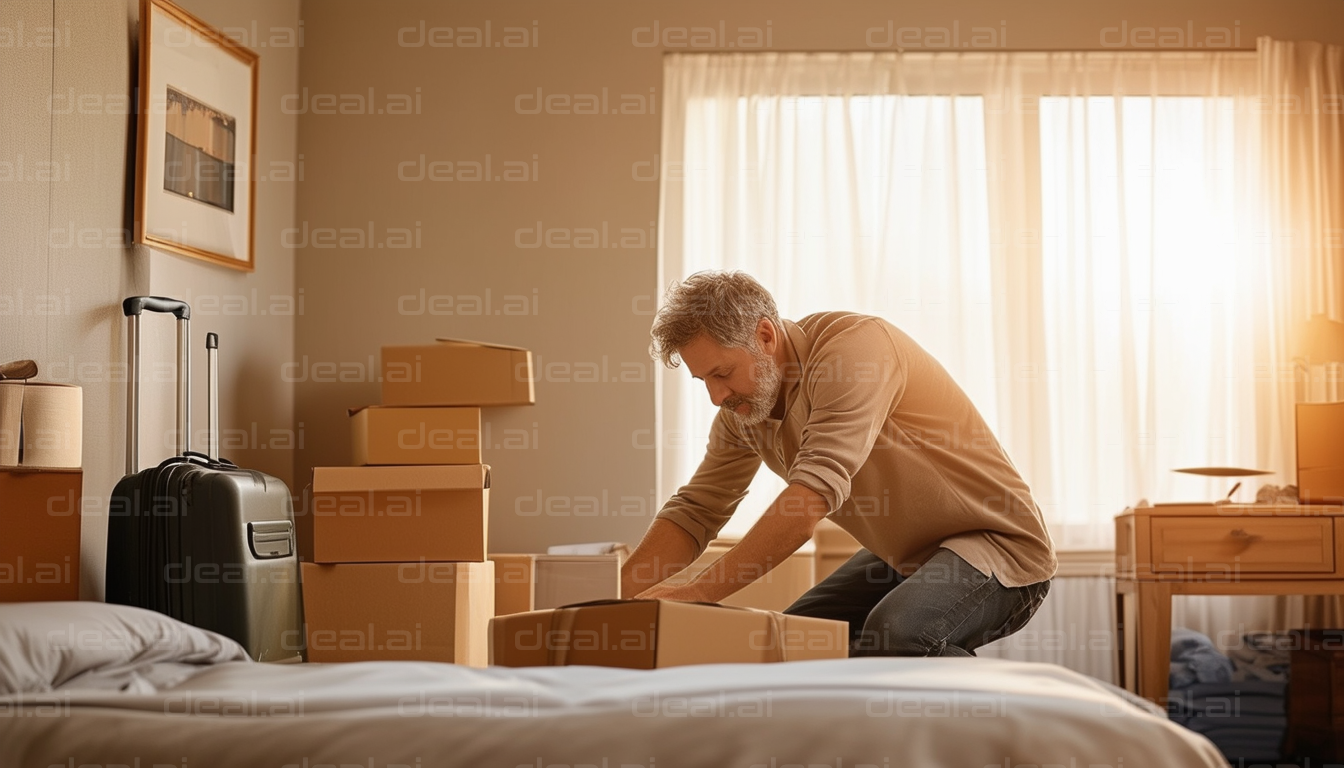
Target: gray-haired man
point(868, 430)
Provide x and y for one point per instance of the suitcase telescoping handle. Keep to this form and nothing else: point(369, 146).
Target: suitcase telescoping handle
point(133, 308)
point(212, 395)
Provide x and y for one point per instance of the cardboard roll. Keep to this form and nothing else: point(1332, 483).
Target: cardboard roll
point(41, 424)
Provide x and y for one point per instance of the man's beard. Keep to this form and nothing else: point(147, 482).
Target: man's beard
point(762, 401)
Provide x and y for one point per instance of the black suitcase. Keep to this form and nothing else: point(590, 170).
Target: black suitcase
point(196, 537)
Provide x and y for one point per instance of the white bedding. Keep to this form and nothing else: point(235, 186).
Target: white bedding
point(925, 713)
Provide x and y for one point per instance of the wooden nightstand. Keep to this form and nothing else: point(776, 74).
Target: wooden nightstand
point(1207, 549)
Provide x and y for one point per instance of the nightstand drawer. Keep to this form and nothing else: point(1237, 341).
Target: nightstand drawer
point(1233, 545)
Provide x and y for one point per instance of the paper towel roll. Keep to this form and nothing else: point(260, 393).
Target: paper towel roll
point(53, 418)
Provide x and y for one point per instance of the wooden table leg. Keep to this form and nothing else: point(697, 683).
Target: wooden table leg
point(1154, 640)
point(1126, 636)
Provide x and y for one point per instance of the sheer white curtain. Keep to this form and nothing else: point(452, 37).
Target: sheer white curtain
point(1110, 251)
point(1070, 234)
point(811, 174)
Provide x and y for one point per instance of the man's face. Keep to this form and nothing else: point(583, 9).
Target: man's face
point(743, 382)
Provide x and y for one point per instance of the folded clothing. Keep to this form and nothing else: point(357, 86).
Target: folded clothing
point(1194, 659)
point(1262, 656)
point(1251, 697)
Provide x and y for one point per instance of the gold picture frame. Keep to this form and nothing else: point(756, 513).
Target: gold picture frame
point(196, 139)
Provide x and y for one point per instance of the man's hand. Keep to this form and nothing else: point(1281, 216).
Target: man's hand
point(786, 525)
point(666, 549)
point(686, 593)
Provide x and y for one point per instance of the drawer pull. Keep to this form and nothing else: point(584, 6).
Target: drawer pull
point(1241, 534)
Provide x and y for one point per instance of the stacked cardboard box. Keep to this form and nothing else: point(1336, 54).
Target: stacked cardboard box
point(41, 485)
point(394, 548)
point(39, 549)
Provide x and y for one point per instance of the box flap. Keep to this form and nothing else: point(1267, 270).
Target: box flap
point(470, 343)
point(378, 407)
point(401, 478)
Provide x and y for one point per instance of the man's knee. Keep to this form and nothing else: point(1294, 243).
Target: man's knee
point(881, 637)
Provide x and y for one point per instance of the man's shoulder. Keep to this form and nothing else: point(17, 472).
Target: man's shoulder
point(823, 327)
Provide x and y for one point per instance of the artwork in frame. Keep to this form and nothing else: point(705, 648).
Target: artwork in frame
point(197, 136)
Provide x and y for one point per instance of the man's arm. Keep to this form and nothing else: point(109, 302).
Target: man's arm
point(695, 513)
point(665, 550)
point(786, 525)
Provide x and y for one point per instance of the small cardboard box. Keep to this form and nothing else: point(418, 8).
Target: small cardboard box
point(1320, 453)
point(41, 424)
point(396, 514)
point(39, 545)
point(650, 634)
point(398, 611)
point(395, 435)
point(530, 582)
point(457, 372)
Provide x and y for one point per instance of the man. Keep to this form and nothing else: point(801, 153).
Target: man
point(868, 430)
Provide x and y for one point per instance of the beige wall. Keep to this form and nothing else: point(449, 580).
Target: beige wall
point(589, 300)
point(65, 265)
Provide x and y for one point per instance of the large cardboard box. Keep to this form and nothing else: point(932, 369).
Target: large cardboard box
point(394, 435)
point(775, 590)
point(651, 634)
point(1320, 453)
point(396, 514)
point(457, 372)
point(398, 611)
point(526, 582)
point(39, 534)
point(41, 424)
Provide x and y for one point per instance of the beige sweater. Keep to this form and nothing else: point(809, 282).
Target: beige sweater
point(904, 461)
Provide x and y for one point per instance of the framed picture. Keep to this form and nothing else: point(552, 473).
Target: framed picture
point(197, 138)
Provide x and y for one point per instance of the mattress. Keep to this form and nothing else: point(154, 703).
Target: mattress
point(967, 713)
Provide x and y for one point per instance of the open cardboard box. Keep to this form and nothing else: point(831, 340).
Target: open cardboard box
point(527, 582)
point(457, 372)
point(652, 634)
point(396, 514)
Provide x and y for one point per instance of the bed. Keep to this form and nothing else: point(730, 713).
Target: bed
point(97, 685)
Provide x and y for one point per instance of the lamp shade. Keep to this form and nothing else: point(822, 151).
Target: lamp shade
point(1320, 340)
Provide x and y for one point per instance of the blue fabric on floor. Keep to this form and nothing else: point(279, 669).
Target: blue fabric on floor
point(1194, 659)
point(1245, 719)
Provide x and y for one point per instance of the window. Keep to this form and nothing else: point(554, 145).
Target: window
point(1071, 235)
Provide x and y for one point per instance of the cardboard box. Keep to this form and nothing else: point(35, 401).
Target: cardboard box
point(774, 591)
point(1320, 453)
point(41, 424)
point(39, 534)
point(457, 372)
point(398, 611)
point(530, 582)
point(396, 514)
point(396, 435)
point(652, 634)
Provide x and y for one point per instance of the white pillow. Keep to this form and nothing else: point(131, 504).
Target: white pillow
point(45, 645)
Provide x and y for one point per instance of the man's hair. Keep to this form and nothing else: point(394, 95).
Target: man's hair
point(725, 305)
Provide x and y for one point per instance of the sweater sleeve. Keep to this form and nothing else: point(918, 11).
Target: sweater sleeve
point(703, 506)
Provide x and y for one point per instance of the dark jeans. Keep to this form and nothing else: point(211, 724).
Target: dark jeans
point(945, 608)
